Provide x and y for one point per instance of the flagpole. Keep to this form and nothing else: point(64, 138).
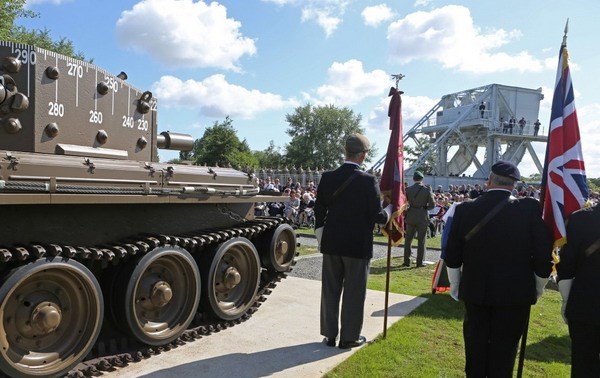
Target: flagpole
point(389, 228)
point(387, 278)
point(543, 198)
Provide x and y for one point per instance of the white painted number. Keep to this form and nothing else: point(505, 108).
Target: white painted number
point(112, 83)
point(128, 122)
point(25, 56)
point(75, 70)
point(142, 124)
point(95, 117)
point(56, 109)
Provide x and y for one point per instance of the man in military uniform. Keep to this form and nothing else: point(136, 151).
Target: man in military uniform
point(505, 251)
point(420, 200)
point(578, 284)
point(347, 207)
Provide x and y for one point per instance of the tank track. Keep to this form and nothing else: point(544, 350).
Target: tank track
point(114, 351)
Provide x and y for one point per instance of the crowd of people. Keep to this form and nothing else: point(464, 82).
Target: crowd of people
point(297, 204)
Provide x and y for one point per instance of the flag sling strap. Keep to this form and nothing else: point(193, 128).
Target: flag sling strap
point(343, 186)
point(486, 219)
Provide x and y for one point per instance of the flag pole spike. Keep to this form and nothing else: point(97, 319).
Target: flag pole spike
point(397, 77)
point(564, 41)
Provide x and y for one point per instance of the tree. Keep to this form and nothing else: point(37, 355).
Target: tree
point(412, 154)
point(220, 146)
point(270, 157)
point(318, 135)
point(11, 10)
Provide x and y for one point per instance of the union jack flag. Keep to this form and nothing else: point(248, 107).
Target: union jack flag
point(564, 184)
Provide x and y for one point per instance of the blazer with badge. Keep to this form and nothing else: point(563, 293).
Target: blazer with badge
point(421, 200)
point(583, 265)
point(348, 219)
point(499, 261)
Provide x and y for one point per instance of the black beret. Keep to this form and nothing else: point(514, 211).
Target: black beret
point(417, 175)
point(506, 169)
point(357, 143)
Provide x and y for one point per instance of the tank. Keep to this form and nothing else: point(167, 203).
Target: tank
point(107, 255)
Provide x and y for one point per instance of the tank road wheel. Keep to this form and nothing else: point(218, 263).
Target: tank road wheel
point(278, 248)
point(52, 312)
point(231, 275)
point(159, 295)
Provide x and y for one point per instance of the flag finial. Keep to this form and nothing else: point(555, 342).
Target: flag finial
point(397, 77)
point(564, 42)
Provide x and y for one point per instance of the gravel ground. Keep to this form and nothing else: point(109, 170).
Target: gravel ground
point(309, 266)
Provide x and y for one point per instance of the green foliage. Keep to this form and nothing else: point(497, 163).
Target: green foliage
point(318, 134)
point(11, 10)
point(412, 153)
point(271, 157)
point(594, 184)
point(220, 146)
point(42, 38)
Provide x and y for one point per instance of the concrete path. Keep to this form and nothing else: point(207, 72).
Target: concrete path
point(280, 340)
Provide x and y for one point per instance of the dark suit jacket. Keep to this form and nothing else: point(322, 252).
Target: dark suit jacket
point(498, 262)
point(583, 229)
point(350, 218)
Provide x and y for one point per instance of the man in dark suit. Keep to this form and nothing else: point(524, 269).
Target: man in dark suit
point(505, 251)
point(420, 201)
point(347, 207)
point(578, 284)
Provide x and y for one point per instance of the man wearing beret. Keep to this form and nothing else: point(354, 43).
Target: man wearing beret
point(420, 201)
point(347, 207)
point(498, 254)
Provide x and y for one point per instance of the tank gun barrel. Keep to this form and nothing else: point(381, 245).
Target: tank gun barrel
point(174, 141)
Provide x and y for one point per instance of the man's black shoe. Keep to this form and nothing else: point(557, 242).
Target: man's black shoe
point(352, 344)
point(406, 264)
point(329, 342)
point(420, 265)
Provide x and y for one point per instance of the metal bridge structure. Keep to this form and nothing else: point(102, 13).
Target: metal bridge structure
point(477, 122)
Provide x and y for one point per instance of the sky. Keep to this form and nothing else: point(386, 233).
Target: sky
point(258, 60)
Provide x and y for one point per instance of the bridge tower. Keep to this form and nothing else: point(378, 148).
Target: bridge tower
point(462, 123)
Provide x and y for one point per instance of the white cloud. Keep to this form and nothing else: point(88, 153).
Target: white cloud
point(448, 35)
point(589, 130)
point(375, 15)
point(325, 13)
point(184, 33)
point(348, 84)
point(422, 3)
point(215, 97)
point(413, 109)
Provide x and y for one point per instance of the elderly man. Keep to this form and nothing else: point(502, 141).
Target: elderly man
point(347, 207)
point(499, 257)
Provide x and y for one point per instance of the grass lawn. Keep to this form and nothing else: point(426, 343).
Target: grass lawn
point(428, 342)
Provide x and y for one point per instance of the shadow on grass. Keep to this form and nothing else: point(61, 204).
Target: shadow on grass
point(551, 349)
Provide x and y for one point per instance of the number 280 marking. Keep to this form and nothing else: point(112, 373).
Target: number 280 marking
point(56, 109)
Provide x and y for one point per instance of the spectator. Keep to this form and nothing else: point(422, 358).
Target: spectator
point(536, 127)
point(522, 124)
point(290, 210)
point(305, 210)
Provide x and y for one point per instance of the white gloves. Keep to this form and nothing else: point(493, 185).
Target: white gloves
point(564, 287)
point(540, 284)
point(454, 278)
point(388, 210)
point(319, 235)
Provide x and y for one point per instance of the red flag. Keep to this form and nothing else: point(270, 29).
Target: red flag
point(564, 185)
point(392, 178)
